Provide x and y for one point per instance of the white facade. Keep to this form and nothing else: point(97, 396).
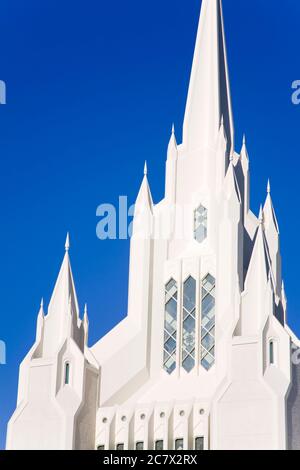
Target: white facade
point(203, 358)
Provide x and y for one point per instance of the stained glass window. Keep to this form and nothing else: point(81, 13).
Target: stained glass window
point(170, 327)
point(200, 224)
point(208, 322)
point(189, 324)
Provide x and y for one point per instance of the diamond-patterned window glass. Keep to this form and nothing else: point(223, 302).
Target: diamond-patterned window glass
point(200, 224)
point(170, 327)
point(208, 322)
point(189, 324)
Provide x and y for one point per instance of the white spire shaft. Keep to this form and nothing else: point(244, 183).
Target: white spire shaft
point(209, 92)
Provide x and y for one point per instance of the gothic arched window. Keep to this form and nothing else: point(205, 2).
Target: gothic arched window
point(189, 324)
point(170, 326)
point(200, 224)
point(272, 352)
point(67, 373)
point(208, 322)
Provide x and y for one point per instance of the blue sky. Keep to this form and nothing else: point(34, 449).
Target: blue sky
point(92, 90)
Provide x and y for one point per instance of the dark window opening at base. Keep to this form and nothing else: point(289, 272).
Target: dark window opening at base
point(139, 446)
point(101, 448)
point(159, 445)
point(179, 444)
point(120, 447)
point(199, 443)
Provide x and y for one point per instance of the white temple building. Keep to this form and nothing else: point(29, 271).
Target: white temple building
point(203, 359)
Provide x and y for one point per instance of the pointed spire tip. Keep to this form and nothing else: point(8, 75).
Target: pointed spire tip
point(67, 244)
point(269, 187)
point(145, 168)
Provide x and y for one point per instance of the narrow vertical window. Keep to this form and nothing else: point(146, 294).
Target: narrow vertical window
point(170, 327)
point(199, 443)
point(139, 446)
point(208, 322)
point(67, 373)
point(200, 224)
point(179, 444)
point(271, 352)
point(159, 445)
point(189, 324)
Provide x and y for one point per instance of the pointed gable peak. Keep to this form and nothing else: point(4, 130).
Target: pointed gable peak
point(209, 92)
point(260, 265)
point(64, 291)
point(231, 183)
point(144, 198)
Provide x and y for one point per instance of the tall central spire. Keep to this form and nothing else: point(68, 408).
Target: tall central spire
point(209, 92)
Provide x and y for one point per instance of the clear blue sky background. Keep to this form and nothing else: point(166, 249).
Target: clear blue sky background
point(92, 90)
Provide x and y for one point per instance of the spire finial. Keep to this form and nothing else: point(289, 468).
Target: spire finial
point(269, 187)
point(204, 107)
point(222, 120)
point(85, 310)
point(145, 168)
point(41, 312)
point(67, 244)
point(173, 128)
point(244, 139)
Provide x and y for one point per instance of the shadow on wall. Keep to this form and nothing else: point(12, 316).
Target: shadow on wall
point(293, 410)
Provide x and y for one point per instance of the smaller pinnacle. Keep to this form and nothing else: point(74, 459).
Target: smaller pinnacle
point(42, 303)
point(244, 139)
point(145, 169)
point(268, 187)
point(85, 310)
point(173, 128)
point(67, 244)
